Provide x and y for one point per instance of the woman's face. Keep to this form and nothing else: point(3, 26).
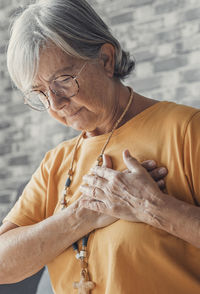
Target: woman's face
point(91, 108)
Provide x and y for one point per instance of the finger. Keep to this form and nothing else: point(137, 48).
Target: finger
point(132, 163)
point(87, 190)
point(84, 197)
point(93, 192)
point(161, 184)
point(158, 173)
point(107, 161)
point(126, 171)
point(104, 172)
point(94, 181)
point(149, 164)
point(94, 205)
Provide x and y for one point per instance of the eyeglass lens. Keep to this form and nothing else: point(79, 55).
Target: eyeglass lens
point(63, 86)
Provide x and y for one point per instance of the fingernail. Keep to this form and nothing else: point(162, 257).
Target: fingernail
point(127, 153)
point(152, 163)
point(162, 171)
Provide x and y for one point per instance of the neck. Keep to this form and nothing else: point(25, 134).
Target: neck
point(120, 101)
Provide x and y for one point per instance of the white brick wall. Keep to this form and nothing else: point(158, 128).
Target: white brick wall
point(163, 36)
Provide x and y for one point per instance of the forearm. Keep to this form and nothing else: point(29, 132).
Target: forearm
point(24, 250)
point(178, 218)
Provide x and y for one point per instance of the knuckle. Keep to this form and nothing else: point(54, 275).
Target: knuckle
point(117, 178)
point(162, 171)
point(115, 181)
point(149, 164)
point(112, 186)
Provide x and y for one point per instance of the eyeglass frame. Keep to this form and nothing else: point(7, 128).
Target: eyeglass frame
point(46, 94)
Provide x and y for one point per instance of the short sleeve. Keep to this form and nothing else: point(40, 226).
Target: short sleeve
point(31, 205)
point(191, 153)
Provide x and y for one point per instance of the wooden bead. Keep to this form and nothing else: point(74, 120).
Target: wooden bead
point(70, 172)
point(100, 160)
point(84, 264)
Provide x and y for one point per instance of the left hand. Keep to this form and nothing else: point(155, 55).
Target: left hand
point(132, 195)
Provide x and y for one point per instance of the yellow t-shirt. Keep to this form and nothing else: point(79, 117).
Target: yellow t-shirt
point(125, 257)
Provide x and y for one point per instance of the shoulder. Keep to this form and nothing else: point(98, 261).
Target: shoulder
point(164, 112)
point(173, 114)
point(176, 121)
point(170, 120)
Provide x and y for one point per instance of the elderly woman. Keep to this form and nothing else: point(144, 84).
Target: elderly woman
point(98, 219)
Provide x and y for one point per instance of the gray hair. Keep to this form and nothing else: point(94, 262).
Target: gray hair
point(72, 25)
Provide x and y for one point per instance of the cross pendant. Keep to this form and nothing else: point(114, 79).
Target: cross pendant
point(84, 286)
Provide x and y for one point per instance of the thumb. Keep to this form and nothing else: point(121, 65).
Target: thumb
point(107, 161)
point(132, 164)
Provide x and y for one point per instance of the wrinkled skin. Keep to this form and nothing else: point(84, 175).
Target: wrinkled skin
point(130, 195)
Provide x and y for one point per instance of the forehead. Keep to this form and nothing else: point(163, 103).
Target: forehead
point(53, 61)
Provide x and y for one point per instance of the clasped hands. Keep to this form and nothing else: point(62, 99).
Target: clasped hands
point(133, 195)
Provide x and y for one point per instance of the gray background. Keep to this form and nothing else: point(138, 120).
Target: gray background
point(164, 38)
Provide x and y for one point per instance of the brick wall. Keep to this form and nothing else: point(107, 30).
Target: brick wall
point(164, 38)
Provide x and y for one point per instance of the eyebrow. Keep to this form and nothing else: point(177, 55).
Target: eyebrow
point(67, 68)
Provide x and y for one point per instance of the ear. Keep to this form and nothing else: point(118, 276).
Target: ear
point(107, 58)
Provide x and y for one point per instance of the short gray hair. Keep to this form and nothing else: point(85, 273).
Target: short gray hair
point(72, 25)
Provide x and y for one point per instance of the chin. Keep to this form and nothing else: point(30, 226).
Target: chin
point(78, 126)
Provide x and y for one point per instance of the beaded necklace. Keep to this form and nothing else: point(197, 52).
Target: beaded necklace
point(84, 286)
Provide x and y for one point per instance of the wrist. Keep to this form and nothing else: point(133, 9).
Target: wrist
point(81, 217)
point(159, 211)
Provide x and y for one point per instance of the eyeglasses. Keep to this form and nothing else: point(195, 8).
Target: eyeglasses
point(63, 86)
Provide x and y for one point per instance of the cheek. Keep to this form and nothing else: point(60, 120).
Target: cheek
point(93, 90)
point(91, 99)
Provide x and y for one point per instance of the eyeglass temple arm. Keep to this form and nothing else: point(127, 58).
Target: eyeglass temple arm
point(80, 70)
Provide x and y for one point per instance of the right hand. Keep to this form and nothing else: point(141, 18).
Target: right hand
point(96, 219)
point(99, 220)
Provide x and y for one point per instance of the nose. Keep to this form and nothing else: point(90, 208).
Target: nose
point(56, 101)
